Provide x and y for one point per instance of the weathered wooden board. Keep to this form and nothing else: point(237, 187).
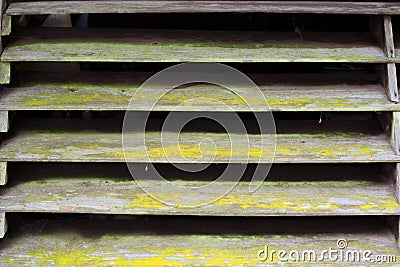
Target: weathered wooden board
point(3, 173)
point(113, 196)
point(4, 122)
point(389, 81)
point(114, 91)
point(3, 224)
point(144, 243)
point(6, 25)
point(319, 143)
point(68, 7)
point(5, 72)
point(123, 45)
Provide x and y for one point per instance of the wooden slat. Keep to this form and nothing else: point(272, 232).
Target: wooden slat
point(93, 195)
point(318, 144)
point(3, 224)
point(113, 91)
point(144, 243)
point(318, 7)
point(123, 45)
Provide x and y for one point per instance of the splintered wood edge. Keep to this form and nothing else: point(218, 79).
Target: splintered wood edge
point(3, 224)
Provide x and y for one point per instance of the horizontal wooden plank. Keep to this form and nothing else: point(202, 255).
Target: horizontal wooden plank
point(318, 7)
point(128, 45)
point(319, 143)
point(142, 242)
point(114, 91)
point(93, 195)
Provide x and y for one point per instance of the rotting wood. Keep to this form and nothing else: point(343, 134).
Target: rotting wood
point(276, 198)
point(122, 45)
point(137, 243)
point(113, 91)
point(68, 7)
point(76, 144)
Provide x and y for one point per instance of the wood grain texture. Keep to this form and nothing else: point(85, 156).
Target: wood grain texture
point(126, 45)
point(388, 37)
point(4, 121)
point(6, 25)
point(114, 91)
point(5, 72)
point(324, 7)
point(3, 173)
point(137, 243)
point(110, 196)
point(388, 77)
point(3, 224)
point(318, 144)
point(395, 132)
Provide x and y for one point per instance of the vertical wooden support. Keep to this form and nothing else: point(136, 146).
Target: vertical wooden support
point(3, 173)
point(395, 132)
point(5, 25)
point(388, 79)
point(381, 32)
point(5, 68)
point(4, 122)
point(3, 224)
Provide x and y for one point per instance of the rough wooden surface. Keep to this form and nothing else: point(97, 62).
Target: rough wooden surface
point(67, 7)
point(110, 196)
point(5, 72)
point(389, 81)
point(144, 243)
point(388, 37)
point(310, 142)
point(3, 224)
point(4, 121)
point(395, 132)
point(6, 25)
point(122, 45)
point(113, 91)
point(3, 173)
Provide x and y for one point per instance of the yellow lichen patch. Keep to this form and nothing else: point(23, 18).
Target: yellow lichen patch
point(274, 202)
point(73, 99)
point(149, 256)
point(145, 201)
